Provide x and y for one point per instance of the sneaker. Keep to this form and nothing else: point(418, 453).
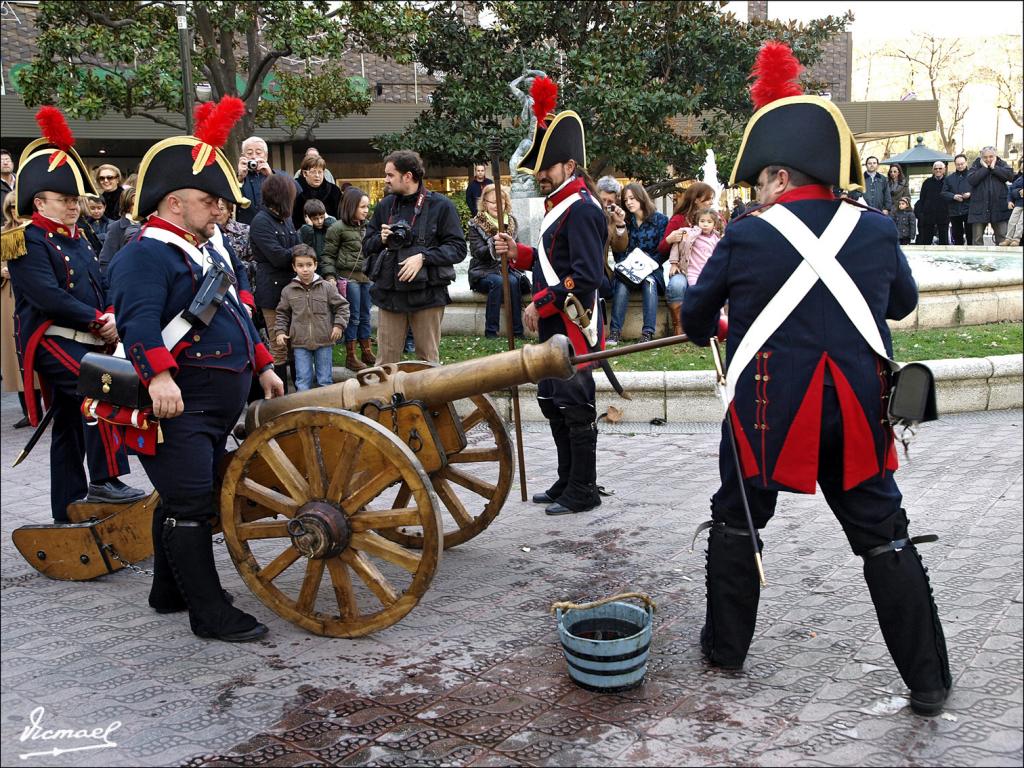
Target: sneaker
point(613, 339)
point(646, 336)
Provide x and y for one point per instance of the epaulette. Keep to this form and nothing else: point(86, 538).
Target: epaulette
point(12, 243)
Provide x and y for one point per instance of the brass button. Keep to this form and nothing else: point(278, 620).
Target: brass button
point(764, 426)
point(757, 377)
point(57, 247)
point(71, 285)
point(67, 258)
point(195, 338)
point(766, 377)
point(199, 354)
point(756, 426)
point(217, 353)
point(71, 271)
point(49, 234)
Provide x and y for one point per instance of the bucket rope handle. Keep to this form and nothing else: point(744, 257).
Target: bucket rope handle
point(566, 606)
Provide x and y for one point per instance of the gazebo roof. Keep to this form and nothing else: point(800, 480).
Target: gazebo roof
point(919, 156)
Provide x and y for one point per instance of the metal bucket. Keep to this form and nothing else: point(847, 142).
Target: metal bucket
point(606, 643)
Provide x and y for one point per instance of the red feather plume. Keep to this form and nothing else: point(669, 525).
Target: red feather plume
point(202, 114)
point(55, 128)
point(544, 93)
point(776, 70)
point(219, 121)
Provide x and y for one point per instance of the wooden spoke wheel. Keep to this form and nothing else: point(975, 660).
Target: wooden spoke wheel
point(306, 494)
point(473, 487)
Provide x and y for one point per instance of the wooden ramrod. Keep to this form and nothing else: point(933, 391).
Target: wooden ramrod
point(550, 360)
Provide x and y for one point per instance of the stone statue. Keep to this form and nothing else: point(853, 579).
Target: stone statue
point(522, 183)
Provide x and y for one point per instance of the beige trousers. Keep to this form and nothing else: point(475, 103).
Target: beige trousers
point(426, 330)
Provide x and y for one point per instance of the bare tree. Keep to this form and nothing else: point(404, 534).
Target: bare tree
point(942, 61)
point(1009, 81)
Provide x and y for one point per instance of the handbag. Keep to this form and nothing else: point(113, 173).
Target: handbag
point(342, 285)
point(111, 380)
point(636, 267)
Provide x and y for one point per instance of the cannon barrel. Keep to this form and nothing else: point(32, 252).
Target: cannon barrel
point(446, 383)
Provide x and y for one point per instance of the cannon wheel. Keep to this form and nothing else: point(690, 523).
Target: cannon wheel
point(464, 521)
point(302, 488)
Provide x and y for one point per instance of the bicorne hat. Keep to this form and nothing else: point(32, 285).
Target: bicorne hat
point(789, 128)
point(51, 164)
point(557, 138)
point(192, 162)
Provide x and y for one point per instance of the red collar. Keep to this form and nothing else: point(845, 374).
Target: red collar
point(51, 226)
point(569, 189)
point(807, 192)
point(157, 223)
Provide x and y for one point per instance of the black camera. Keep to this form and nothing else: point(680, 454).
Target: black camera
point(253, 165)
point(401, 235)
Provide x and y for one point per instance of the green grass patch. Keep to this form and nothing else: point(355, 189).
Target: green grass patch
point(930, 344)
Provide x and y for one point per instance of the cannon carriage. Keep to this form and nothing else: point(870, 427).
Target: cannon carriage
point(339, 501)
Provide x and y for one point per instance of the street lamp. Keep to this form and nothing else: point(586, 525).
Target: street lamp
point(186, 61)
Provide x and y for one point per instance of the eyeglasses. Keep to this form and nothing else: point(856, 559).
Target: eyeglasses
point(107, 178)
point(66, 199)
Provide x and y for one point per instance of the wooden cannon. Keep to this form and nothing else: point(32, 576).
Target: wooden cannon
point(367, 480)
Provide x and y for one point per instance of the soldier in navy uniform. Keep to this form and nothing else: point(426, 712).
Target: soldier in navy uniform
point(568, 271)
point(61, 313)
point(198, 379)
point(808, 391)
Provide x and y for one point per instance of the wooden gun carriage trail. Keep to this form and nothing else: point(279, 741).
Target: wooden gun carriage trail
point(338, 502)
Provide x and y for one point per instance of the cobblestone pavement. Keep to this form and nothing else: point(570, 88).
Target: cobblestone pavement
point(474, 675)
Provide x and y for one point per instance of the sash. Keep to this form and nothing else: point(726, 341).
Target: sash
point(819, 262)
point(551, 277)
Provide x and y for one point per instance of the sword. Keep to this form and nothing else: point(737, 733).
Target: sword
point(43, 424)
point(716, 353)
point(584, 320)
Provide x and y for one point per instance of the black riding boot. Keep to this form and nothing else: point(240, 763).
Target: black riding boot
point(164, 595)
point(733, 592)
point(899, 587)
point(560, 434)
point(580, 494)
point(188, 544)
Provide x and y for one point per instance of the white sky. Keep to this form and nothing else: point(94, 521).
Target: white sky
point(881, 20)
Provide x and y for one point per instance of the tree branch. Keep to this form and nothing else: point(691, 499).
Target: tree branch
point(157, 119)
point(256, 75)
point(111, 23)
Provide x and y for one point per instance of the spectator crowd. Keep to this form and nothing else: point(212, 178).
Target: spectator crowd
point(308, 243)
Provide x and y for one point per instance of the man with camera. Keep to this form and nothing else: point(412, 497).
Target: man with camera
point(413, 242)
point(253, 169)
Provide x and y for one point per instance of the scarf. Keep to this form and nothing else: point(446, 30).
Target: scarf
point(489, 224)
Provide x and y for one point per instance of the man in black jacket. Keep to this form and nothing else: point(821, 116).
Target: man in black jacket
point(956, 191)
point(988, 178)
point(931, 209)
point(412, 244)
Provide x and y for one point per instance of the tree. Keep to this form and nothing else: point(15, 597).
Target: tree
point(629, 68)
point(1009, 80)
point(943, 64)
point(122, 56)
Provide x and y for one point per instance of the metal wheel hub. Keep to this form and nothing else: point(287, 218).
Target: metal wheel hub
point(320, 530)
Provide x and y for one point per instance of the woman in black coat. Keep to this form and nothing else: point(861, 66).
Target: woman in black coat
point(313, 186)
point(271, 239)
